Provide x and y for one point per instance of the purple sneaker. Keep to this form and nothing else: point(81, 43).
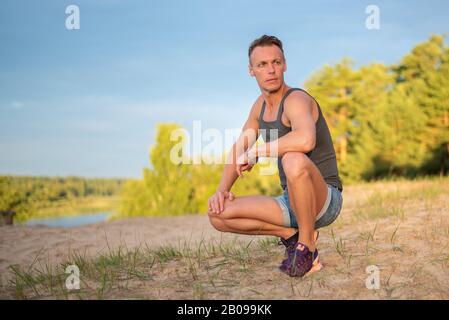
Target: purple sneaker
point(301, 261)
point(290, 244)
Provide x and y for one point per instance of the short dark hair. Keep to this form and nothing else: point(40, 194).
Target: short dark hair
point(265, 41)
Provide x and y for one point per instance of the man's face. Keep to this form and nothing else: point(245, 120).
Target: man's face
point(267, 64)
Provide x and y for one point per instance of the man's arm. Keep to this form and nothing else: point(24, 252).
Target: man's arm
point(302, 138)
point(247, 138)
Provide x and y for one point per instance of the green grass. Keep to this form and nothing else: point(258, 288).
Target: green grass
point(201, 264)
point(267, 243)
point(64, 208)
point(382, 204)
point(400, 179)
point(77, 207)
point(167, 253)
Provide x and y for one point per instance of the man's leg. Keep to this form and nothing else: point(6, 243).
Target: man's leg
point(307, 192)
point(252, 215)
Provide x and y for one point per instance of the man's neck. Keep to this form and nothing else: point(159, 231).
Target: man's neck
point(273, 99)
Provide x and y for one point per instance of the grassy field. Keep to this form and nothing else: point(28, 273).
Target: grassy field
point(401, 226)
point(35, 197)
point(78, 206)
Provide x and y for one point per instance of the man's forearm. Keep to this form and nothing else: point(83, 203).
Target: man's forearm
point(288, 143)
point(230, 175)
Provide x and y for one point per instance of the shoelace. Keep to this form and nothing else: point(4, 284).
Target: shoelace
point(290, 256)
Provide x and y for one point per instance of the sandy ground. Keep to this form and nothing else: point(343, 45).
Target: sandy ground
point(22, 244)
point(412, 253)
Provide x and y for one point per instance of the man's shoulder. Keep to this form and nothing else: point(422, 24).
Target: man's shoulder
point(299, 96)
point(256, 108)
point(300, 104)
point(258, 102)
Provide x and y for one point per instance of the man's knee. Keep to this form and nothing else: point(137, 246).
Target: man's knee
point(216, 222)
point(229, 209)
point(295, 164)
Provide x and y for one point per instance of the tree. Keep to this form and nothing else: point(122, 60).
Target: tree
point(332, 87)
point(423, 82)
point(168, 188)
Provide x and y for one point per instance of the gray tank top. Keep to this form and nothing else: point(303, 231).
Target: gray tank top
point(323, 155)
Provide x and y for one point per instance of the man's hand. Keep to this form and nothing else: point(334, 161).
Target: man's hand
point(246, 161)
point(216, 202)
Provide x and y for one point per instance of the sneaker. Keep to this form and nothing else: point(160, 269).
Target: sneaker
point(291, 242)
point(301, 262)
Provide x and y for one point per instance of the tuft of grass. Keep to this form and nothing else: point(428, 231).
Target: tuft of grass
point(369, 238)
point(198, 291)
point(237, 252)
point(341, 249)
point(167, 253)
point(393, 235)
point(267, 243)
point(340, 245)
point(21, 281)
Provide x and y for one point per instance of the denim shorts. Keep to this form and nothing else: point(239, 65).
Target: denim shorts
point(325, 217)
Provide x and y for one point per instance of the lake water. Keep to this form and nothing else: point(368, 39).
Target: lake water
point(71, 221)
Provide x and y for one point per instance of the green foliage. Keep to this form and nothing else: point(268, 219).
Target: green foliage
point(31, 196)
point(388, 120)
point(174, 189)
point(168, 189)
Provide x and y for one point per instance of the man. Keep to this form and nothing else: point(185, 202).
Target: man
point(306, 161)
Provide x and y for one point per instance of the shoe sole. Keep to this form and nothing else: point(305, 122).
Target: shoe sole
point(316, 266)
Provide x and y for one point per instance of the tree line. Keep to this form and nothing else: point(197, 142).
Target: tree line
point(389, 120)
point(27, 195)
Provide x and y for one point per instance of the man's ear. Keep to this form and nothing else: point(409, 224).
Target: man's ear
point(250, 69)
point(285, 65)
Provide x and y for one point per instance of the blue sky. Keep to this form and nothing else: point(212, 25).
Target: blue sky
point(86, 102)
